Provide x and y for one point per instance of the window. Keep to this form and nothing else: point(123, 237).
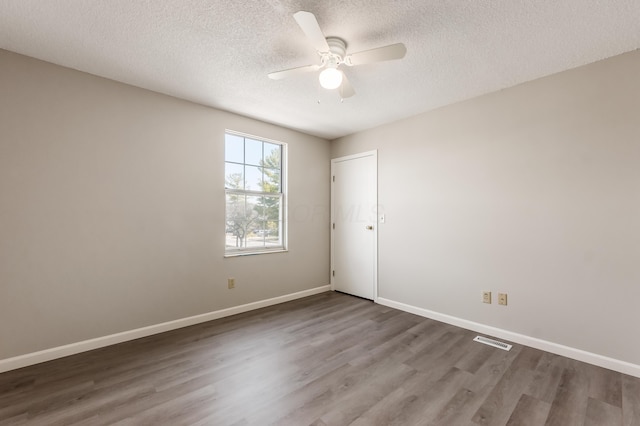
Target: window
point(254, 195)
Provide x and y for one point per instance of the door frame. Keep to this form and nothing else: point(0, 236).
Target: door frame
point(373, 154)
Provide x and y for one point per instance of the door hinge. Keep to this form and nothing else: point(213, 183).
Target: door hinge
point(334, 226)
point(333, 273)
point(333, 178)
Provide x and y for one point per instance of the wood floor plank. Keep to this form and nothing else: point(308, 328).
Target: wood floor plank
point(15, 421)
point(492, 371)
point(457, 410)
point(325, 360)
point(605, 385)
point(354, 396)
point(546, 378)
point(504, 396)
point(391, 409)
point(529, 411)
point(570, 403)
point(600, 413)
point(433, 400)
point(630, 401)
point(471, 361)
point(476, 388)
point(416, 402)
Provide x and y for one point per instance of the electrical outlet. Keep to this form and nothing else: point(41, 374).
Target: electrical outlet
point(486, 297)
point(502, 299)
point(231, 282)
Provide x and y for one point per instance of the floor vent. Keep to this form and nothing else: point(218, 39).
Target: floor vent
point(494, 343)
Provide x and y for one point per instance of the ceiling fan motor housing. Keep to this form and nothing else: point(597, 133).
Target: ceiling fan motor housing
point(337, 49)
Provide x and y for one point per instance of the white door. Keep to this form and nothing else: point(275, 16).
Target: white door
point(354, 201)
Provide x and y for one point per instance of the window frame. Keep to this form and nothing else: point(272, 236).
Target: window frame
point(282, 195)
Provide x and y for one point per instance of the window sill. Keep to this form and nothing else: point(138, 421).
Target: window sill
point(254, 253)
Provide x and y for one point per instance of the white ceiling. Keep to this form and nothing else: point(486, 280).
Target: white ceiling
point(218, 53)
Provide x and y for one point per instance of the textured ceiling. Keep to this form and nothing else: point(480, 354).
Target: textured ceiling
point(218, 53)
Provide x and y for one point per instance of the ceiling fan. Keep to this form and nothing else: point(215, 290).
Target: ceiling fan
point(333, 53)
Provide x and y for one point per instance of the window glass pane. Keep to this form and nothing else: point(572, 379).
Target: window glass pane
point(233, 148)
point(236, 228)
point(271, 180)
point(253, 206)
point(253, 178)
point(254, 242)
point(271, 208)
point(272, 155)
point(253, 217)
point(234, 176)
point(253, 152)
point(273, 236)
point(260, 209)
point(257, 237)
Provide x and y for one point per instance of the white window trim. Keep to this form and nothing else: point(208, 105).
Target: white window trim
point(252, 251)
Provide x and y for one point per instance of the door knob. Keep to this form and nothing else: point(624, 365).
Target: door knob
point(369, 227)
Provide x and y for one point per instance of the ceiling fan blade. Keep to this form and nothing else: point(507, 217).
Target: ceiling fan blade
point(279, 75)
point(346, 89)
point(379, 54)
point(311, 29)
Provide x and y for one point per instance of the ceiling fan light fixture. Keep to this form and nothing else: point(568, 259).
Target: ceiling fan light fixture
point(330, 78)
point(333, 54)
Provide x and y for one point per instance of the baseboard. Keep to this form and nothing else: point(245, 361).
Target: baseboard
point(87, 345)
point(569, 352)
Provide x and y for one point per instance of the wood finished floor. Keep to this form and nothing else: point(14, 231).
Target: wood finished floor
point(328, 359)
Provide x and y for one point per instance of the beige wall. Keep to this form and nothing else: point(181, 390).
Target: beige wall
point(533, 191)
point(112, 209)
